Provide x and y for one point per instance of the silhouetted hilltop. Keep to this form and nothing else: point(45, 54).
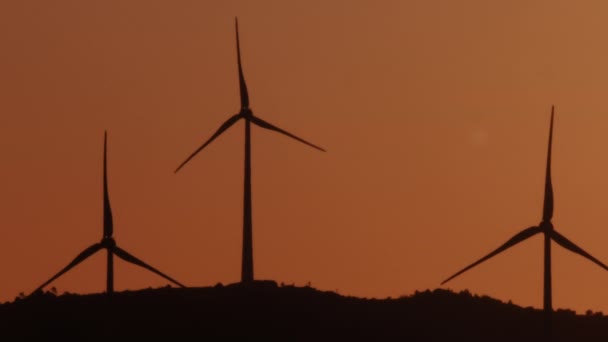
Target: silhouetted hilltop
point(265, 310)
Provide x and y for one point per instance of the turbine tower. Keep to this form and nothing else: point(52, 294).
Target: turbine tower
point(107, 242)
point(545, 227)
point(247, 115)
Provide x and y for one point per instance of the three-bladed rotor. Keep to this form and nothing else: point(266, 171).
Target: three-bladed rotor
point(245, 112)
point(247, 115)
point(107, 241)
point(545, 226)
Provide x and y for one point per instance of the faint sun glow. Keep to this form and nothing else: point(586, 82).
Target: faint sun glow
point(479, 137)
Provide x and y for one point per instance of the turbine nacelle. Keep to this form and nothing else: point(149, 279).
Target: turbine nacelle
point(246, 113)
point(546, 226)
point(108, 243)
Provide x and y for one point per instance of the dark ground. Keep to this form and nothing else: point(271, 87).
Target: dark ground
point(265, 310)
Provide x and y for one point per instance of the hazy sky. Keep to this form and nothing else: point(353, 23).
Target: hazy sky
point(434, 113)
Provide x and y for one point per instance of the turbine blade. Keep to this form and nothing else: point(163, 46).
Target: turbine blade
point(569, 245)
point(121, 253)
point(220, 130)
point(108, 224)
point(80, 258)
point(272, 127)
point(548, 205)
point(242, 84)
point(519, 237)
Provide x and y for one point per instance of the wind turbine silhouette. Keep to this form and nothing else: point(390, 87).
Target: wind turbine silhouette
point(545, 227)
point(247, 115)
point(107, 241)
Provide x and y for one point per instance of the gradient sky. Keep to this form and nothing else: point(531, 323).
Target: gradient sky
point(434, 113)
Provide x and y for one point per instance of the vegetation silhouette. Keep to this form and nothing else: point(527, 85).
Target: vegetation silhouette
point(246, 114)
point(545, 227)
point(107, 241)
point(264, 310)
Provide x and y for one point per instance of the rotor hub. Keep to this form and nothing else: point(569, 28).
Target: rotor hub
point(546, 226)
point(108, 242)
point(246, 112)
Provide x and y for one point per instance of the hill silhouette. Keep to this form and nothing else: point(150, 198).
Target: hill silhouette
point(263, 309)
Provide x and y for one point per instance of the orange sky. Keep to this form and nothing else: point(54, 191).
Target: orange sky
point(434, 114)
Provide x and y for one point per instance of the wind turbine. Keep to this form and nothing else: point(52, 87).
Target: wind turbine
point(545, 227)
point(107, 242)
point(247, 115)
